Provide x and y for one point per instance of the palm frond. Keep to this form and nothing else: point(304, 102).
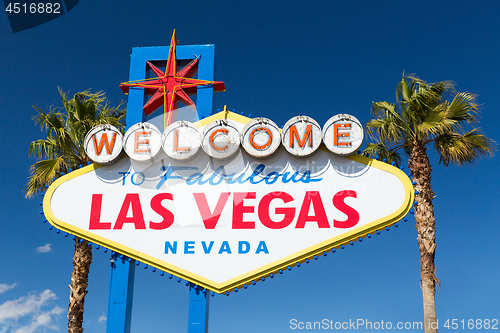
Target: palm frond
point(66, 129)
point(463, 108)
point(406, 91)
point(423, 114)
point(42, 173)
point(419, 105)
point(450, 117)
point(380, 150)
point(384, 128)
point(435, 123)
point(380, 109)
point(79, 111)
point(44, 149)
point(389, 126)
point(50, 119)
point(461, 149)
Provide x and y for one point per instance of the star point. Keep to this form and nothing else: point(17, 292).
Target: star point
point(171, 86)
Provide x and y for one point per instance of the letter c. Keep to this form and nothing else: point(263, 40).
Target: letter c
point(212, 137)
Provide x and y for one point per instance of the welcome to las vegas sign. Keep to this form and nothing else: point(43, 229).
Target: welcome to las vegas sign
point(223, 222)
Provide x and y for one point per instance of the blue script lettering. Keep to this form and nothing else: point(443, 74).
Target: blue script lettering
point(169, 174)
point(255, 178)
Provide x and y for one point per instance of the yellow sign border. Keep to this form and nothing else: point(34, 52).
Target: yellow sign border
point(254, 275)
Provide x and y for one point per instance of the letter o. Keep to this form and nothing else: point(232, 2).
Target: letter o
point(137, 173)
point(261, 138)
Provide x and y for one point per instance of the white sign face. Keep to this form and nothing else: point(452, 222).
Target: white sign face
point(142, 142)
point(221, 139)
point(181, 140)
point(103, 144)
point(261, 138)
point(222, 224)
point(301, 136)
point(343, 134)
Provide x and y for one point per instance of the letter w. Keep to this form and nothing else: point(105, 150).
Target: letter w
point(104, 141)
point(210, 219)
point(294, 135)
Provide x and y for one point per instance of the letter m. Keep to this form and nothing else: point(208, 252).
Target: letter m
point(294, 135)
point(104, 142)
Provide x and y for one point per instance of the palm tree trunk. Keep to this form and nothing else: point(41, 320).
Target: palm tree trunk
point(426, 229)
point(82, 258)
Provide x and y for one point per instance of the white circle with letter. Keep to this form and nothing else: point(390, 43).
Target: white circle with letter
point(343, 134)
point(103, 144)
point(181, 140)
point(221, 139)
point(142, 142)
point(261, 138)
point(301, 136)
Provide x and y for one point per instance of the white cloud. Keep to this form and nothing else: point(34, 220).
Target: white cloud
point(4, 287)
point(102, 319)
point(44, 249)
point(28, 309)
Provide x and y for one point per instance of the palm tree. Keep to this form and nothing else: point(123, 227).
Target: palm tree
point(422, 116)
point(62, 150)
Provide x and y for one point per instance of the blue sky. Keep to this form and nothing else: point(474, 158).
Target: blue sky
point(277, 59)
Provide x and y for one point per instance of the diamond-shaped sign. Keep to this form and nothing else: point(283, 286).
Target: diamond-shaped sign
point(224, 223)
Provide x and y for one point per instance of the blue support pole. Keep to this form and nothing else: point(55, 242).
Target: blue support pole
point(121, 280)
point(198, 310)
point(121, 291)
point(121, 285)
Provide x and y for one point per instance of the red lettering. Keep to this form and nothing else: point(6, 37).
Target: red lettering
point(137, 218)
point(95, 214)
point(289, 212)
point(352, 214)
point(337, 134)
point(104, 142)
point(269, 138)
point(210, 219)
point(138, 142)
point(294, 135)
point(319, 211)
point(168, 217)
point(212, 138)
point(176, 143)
point(239, 209)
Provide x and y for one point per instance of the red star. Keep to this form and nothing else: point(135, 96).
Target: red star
point(173, 85)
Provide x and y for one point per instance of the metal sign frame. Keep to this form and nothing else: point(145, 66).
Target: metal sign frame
point(122, 272)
